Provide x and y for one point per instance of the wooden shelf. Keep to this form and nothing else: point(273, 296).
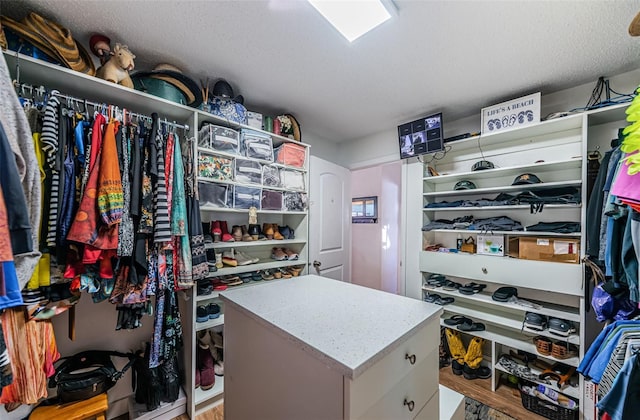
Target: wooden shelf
point(504, 399)
point(508, 188)
point(215, 294)
point(548, 309)
point(243, 244)
point(505, 172)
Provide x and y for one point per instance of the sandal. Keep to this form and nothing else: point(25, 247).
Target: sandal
point(436, 280)
point(295, 271)
point(471, 326)
point(471, 288)
point(451, 285)
point(266, 275)
point(285, 274)
point(438, 300)
point(457, 319)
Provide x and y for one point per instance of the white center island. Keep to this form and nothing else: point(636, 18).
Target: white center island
point(311, 348)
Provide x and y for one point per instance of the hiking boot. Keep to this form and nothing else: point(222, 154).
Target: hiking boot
point(481, 372)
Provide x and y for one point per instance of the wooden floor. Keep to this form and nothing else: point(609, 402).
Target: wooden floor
point(505, 399)
point(216, 413)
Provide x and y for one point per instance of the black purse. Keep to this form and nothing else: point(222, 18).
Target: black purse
point(87, 374)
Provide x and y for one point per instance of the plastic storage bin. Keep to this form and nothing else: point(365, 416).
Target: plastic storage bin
point(219, 138)
point(215, 195)
point(245, 197)
point(271, 200)
point(291, 154)
point(270, 176)
point(292, 180)
point(257, 145)
point(294, 201)
point(248, 171)
point(215, 168)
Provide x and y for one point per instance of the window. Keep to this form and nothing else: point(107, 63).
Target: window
point(364, 210)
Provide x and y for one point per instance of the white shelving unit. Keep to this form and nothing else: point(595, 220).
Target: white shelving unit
point(556, 152)
point(36, 73)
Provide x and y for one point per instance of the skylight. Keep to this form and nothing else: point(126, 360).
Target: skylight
point(354, 18)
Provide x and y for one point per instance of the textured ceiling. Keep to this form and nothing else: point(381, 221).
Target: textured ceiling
point(454, 56)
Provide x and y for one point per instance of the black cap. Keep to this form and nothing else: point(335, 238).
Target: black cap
point(464, 185)
point(525, 179)
point(482, 165)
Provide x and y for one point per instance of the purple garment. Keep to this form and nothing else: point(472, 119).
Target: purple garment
point(626, 186)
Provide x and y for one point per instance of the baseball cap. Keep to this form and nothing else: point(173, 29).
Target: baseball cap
point(464, 185)
point(482, 165)
point(524, 179)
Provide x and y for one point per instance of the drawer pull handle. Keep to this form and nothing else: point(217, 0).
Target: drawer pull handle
point(411, 359)
point(410, 404)
point(484, 270)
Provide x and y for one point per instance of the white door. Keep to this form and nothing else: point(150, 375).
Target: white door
point(329, 220)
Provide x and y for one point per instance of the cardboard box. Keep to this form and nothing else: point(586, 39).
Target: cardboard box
point(491, 245)
point(565, 250)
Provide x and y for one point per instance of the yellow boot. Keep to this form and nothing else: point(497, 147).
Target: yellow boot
point(458, 352)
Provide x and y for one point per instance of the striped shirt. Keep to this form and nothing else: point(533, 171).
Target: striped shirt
point(162, 226)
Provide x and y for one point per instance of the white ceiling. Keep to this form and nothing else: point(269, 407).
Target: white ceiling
point(454, 56)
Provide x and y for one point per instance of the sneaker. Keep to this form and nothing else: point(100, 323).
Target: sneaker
point(204, 288)
point(228, 258)
point(202, 315)
point(242, 259)
point(252, 260)
point(278, 254)
point(213, 310)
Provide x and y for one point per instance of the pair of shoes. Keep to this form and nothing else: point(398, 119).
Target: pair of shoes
point(205, 366)
point(481, 372)
point(270, 230)
point(255, 232)
point(220, 231)
point(438, 300)
point(286, 232)
point(207, 312)
point(464, 324)
point(240, 233)
point(267, 275)
point(456, 367)
point(471, 288)
point(231, 280)
point(204, 288)
point(209, 354)
point(283, 254)
point(280, 273)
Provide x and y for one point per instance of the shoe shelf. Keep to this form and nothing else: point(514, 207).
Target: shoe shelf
point(201, 395)
point(246, 211)
point(215, 294)
point(503, 320)
point(549, 309)
point(509, 171)
point(239, 244)
point(507, 188)
point(570, 391)
point(210, 323)
point(511, 339)
point(515, 207)
point(262, 265)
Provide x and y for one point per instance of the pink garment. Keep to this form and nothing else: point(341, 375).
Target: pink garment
point(626, 186)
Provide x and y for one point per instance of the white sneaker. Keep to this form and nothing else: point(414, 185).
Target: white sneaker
point(252, 260)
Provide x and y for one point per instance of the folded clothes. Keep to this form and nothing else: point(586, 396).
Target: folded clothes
point(558, 227)
point(496, 223)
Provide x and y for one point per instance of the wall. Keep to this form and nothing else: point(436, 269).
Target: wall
point(382, 148)
point(376, 246)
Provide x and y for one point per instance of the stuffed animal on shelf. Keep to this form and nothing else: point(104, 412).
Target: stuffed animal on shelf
point(117, 69)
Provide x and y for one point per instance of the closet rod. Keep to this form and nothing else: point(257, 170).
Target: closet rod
point(96, 105)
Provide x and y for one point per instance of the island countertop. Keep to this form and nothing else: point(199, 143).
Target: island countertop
point(348, 327)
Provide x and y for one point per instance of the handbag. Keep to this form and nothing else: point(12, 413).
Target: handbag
point(87, 374)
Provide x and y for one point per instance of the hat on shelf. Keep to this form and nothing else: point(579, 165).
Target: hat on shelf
point(223, 89)
point(464, 185)
point(634, 27)
point(525, 179)
point(52, 39)
point(482, 165)
point(176, 87)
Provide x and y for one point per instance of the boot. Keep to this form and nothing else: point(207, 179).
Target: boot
point(473, 357)
point(236, 232)
point(226, 236)
point(254, 231)
point(216, 231)
point(456, 346)
point(245, 234)
point(481, 372)
point(267, 230)
point(276, 233)
point(457, 367)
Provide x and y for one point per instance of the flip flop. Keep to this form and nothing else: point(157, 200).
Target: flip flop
point(451, 285)
point(457, 319)
point(471, 288)
point(473, 326)
point(438, 300)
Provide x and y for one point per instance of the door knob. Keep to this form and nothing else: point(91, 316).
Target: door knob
point(317, 264)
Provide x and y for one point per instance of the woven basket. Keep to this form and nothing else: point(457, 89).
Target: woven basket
point(561, 350)
point(547, 409)
point(543, 345)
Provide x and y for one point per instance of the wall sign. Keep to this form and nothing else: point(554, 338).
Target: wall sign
point(515, 113)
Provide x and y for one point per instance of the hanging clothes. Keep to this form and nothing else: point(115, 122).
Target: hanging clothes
point(18, 132)
point(126, 227)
